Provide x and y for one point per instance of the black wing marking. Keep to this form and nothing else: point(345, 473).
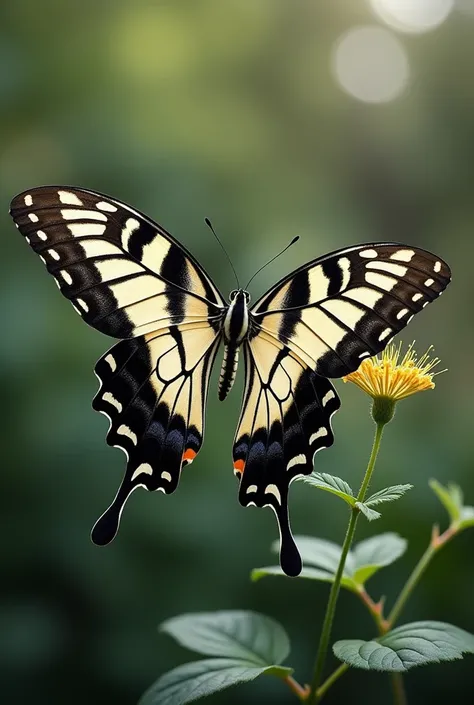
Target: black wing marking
point(337, 310)
point(123, 273)
point(153, 390)
point(285, 419)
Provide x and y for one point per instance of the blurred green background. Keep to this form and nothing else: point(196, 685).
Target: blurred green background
point(274, 118)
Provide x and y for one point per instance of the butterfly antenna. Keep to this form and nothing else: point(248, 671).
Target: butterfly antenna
point(209, 225)
point(295, 239)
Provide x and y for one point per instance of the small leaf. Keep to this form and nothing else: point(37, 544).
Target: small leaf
point(330, 483)
point(308, 573)
point(375, 553)
point(450, 497)
point(200, 678)
point(414, 644)
point(389, 494)
point(233, 634)
point(370, 514)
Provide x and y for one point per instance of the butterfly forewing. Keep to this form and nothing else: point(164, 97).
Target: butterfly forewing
point(129, 278)
point(123, 273)
point(345, 306)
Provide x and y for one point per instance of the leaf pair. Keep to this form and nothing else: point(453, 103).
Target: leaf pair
point(321, 559)
point(340, 488)
point(451, 497)
point(245, 645)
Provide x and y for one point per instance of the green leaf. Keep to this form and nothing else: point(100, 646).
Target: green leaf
point(311, 573)
point(200, 678)
point(414, 644)
point(330, 483)
point(389, 494)
point(321, 559)
point(370, 514)
point(377, 552)
point(450, 497)
point(246, 635)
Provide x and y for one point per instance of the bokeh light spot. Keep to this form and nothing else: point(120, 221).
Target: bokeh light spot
point(371, 64)
point(415, 16)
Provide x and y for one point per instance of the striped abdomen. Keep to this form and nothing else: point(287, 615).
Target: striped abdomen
point(228, 370)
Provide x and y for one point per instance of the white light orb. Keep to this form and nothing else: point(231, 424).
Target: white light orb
point(414, 16)
point(371, 64)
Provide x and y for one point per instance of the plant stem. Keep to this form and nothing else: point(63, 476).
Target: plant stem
point(335, 675)
point(314, 695)
point(398, 687)
point(300, 691)
point(436, 543)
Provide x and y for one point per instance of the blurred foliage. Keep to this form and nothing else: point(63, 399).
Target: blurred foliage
point(186, 109)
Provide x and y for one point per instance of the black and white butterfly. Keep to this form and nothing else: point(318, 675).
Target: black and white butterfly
point(130, 279)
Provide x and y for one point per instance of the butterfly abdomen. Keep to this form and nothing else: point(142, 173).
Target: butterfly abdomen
point(228, 370)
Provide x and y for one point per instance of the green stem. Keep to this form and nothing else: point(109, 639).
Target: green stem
point(398, 687)
point(335, 675)
point(410, 585)
point(314, 695)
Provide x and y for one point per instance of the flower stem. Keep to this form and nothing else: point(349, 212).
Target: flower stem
point(314, 695)
point(398, 687)
point(335, 675)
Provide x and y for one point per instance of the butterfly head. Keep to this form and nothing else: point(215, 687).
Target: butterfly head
point(239, 293)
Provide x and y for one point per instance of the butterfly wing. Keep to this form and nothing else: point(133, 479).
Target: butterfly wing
point(320, 321)
point(285, 420)
point(127, 277)
point(338, 309)
point(123, 273)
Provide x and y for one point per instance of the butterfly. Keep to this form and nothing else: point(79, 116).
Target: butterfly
point(129, 278)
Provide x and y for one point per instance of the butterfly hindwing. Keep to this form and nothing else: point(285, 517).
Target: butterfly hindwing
point(153, 390)
point(123, 273)
point(340, 308)
point(285, 420)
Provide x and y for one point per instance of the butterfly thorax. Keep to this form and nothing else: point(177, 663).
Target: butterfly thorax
point(234, 330)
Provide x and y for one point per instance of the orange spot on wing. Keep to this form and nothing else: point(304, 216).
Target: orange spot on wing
point(189, 454)
point(239, 465)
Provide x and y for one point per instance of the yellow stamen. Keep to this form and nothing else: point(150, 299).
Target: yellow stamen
point(388, 377)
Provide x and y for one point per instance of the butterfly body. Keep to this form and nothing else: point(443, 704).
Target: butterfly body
point(129, 278)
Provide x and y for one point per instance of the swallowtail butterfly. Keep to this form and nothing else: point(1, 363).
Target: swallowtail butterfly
point(130, 279)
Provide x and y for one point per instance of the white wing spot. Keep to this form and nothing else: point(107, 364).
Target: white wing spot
point(319, 434)
point(82, 304)
point(126, 431)
point(327, 397)
point(166, 476)
point(364, 354)
point(111, 362)
point(28, 240)
point(384, 334)
point(54, 255)
point(425, 304)
point(69, 198)
point(110, 399)
point(42, 235)
point(273, 489)
point(42, 259)
point(409, 319)
point(251, 489)
point(33, 217)
point(66, 276)
point(131, 225)
point(144, 468)
point(368, 254)
point(345, 265)
point(429, 282)
point(297, 460)
point(380, 281)
point(104, 206)
point(74, 214)
point(86, 229)
point(403, 255)
point(28, 200)
point(402, 313)
point(389, 267)
point(416, 297)
point(437, 267)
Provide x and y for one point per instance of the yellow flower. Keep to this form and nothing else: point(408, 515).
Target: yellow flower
point(387, 379)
